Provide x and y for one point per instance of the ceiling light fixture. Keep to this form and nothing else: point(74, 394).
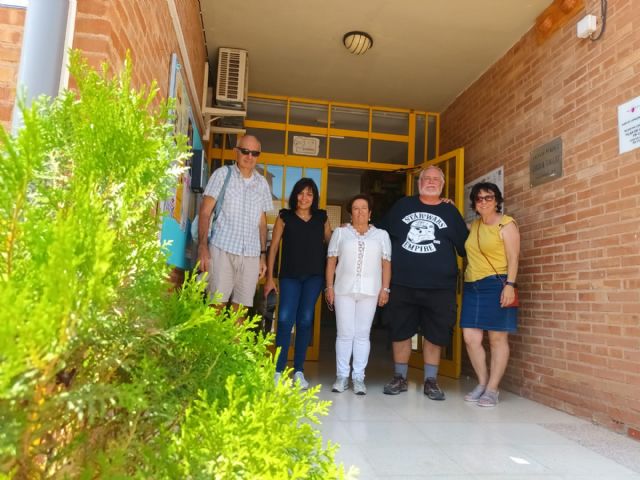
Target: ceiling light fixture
point(357, 42)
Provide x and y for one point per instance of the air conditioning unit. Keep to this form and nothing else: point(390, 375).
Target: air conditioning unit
point(233, 78)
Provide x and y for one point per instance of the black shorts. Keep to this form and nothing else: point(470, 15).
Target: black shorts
point(431, 313)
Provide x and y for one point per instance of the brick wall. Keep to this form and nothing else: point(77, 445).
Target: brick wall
point(578, 345)
point(11, 25)
point(105, 30)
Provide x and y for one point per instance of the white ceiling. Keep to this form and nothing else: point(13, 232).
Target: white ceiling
point(425, 52)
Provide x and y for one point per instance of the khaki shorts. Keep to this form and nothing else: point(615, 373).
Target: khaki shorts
point(233, 276)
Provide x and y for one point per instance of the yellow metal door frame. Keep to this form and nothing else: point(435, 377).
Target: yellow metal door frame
point(291, 161)
point(452, 164)
point(282, 122)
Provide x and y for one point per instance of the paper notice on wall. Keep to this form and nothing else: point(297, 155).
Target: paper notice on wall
point(629, 125)
point(306, 145)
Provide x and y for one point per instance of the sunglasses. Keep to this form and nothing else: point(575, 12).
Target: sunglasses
point(246, 151)
point(486, 198)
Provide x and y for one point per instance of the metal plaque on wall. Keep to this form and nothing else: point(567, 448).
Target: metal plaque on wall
point(545, 163)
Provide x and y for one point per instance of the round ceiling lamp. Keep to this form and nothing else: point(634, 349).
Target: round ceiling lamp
point(357, 42)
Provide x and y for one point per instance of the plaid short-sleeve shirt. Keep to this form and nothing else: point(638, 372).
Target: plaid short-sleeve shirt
point(236, 229)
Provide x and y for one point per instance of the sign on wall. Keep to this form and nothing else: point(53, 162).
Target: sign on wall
point(494, 176)
point(306, 145)
point(629, 125)
point(545, 163)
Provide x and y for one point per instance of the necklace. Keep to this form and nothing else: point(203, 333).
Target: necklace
point(304, 216)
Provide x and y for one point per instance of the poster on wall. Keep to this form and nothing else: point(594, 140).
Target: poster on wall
point(629, 125)
point(178, 209)
point(494, 176)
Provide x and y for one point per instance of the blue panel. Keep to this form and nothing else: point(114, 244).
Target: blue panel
point(171, 232)
point(197, 141)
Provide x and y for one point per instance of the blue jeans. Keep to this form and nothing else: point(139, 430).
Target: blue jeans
point(298, 298)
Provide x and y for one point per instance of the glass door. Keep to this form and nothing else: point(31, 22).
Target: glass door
point(282, 176)
point(452, 164)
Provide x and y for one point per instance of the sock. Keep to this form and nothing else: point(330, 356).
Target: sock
point(401, 369)
point(430, 371)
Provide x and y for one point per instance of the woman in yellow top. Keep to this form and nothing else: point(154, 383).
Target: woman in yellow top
point(493, 247)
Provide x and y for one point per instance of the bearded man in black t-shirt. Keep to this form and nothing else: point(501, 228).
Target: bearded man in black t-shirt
point(426, 234)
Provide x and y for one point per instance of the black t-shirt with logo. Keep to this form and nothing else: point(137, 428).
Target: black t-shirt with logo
point(424, 240)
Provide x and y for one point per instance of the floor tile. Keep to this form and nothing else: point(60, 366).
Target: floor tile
point(408, 436)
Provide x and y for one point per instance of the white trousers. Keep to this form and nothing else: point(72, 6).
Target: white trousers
point(354, 316)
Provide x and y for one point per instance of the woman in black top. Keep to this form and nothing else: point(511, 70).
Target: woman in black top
point(304, 229)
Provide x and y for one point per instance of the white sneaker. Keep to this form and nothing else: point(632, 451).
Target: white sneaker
point(298, 377)
point(359, 388)
point(342, 384)
point(276, 378)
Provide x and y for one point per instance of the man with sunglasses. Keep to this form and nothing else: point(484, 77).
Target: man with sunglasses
point(235, 256)
point(426, 233)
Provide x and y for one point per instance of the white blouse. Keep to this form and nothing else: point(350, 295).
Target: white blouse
point(360, 258)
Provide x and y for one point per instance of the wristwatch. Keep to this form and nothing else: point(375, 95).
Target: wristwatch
point(388, 290)
point(511, 284)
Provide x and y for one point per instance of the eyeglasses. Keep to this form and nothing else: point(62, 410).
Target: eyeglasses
point(486, 198)
point(246, 151)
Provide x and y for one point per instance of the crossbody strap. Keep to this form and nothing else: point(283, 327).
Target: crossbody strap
point(223, 191)
point(479, 248)
point(218, 208)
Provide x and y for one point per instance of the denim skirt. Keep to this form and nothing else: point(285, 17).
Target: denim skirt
point(481, 306)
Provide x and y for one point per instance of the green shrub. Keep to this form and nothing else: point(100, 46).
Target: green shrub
point(103, 371)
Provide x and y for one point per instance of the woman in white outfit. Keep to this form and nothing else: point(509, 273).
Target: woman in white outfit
point(358, 277)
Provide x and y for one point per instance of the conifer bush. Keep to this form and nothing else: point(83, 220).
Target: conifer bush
point(105, 373)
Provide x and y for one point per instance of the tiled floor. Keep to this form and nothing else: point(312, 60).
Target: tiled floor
point(408, 436)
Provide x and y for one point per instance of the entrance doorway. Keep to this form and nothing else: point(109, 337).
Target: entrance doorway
point(363, 148)
point(385, 188)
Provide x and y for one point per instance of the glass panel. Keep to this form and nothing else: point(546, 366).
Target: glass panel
point(314, 174)
point(449, 169)
point(310, 114)
point(348, 148)
point(342, 184)
point(226, 140)
point(431, 138)
point(385, 189)
point(383, 151)
point(231, 140)
point(307, 144)
point(293, 174)
point(267, 110)
point(420, 140)
point(275, 179)
point(274, 176)
point(216, 140)
point(272, 141)
point(390, 122)
point(350, 118)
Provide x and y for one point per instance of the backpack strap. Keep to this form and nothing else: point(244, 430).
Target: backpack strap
point(218, 208)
